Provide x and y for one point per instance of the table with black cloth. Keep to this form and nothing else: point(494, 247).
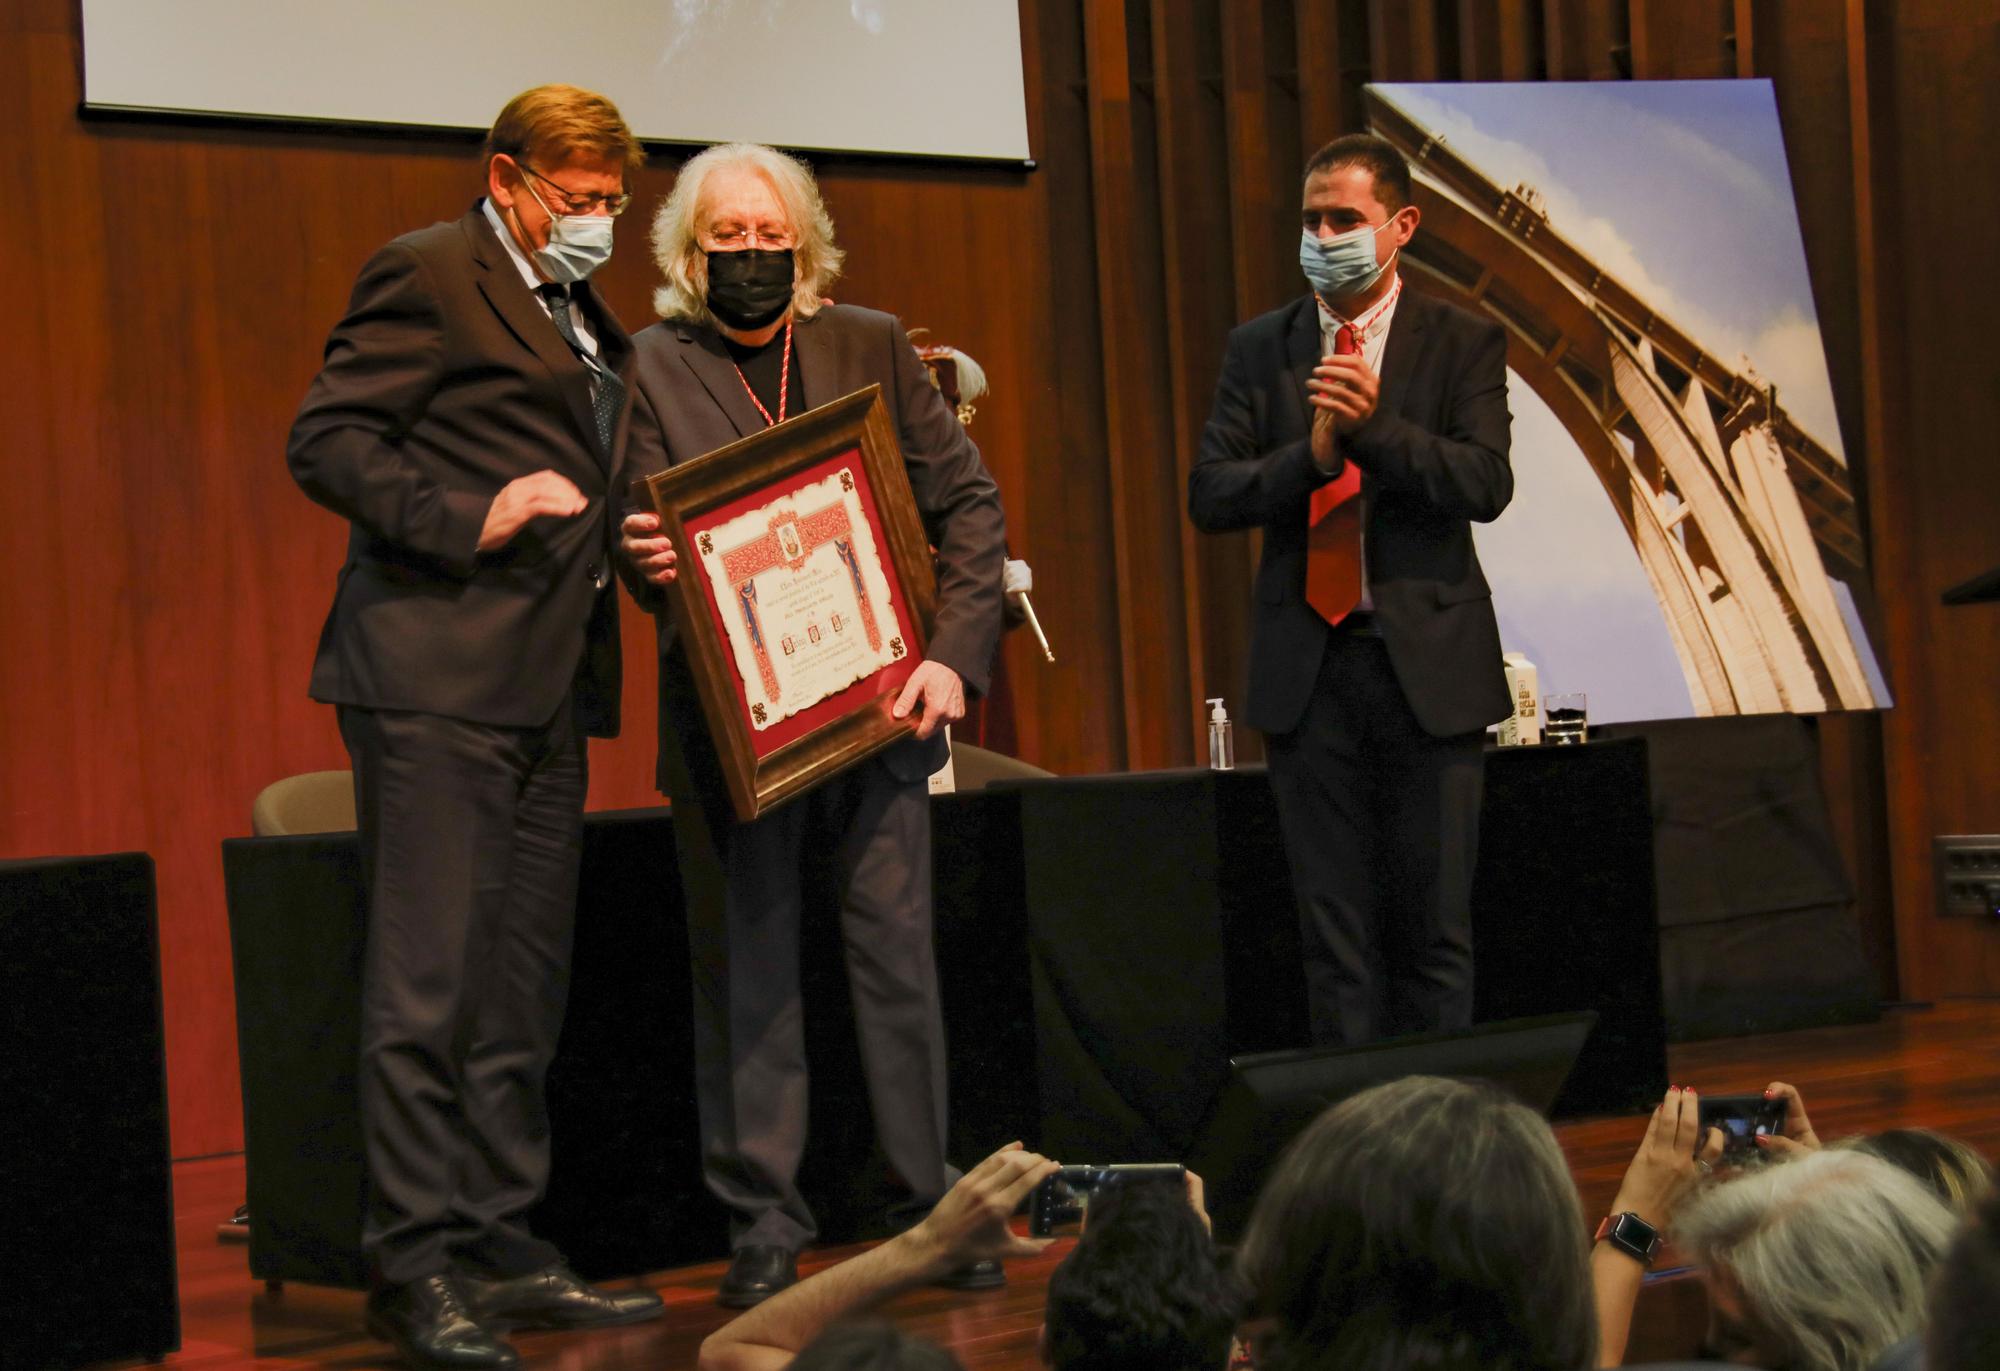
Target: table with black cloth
point(1759, 926)
point(1104, 946)
point(1164, 940)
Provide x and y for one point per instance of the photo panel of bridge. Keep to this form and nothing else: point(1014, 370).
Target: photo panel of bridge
point(1684, 539)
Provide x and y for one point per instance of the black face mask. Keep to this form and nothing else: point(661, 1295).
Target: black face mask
point(749, 288)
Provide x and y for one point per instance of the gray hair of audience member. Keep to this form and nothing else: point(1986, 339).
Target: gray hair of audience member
point(872, 1345)
point(1964, 1325)
point(1828, 1253)
point(682, 261)
point(1426, 1222)
point(1954, 1171)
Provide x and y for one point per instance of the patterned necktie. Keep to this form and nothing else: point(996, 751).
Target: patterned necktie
point(607, 392)
point(1333, 528)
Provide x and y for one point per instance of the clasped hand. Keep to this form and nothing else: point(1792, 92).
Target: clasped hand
point(1343, 390)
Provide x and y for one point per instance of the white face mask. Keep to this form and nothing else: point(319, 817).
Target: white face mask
point(578, 244)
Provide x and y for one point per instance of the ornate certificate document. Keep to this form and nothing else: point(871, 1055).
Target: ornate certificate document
point(805, 595)
point(805, 601)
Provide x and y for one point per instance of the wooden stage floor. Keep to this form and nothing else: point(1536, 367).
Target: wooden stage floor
point(1935, 1066)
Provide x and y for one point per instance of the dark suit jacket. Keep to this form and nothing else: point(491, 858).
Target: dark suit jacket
point(1433, 460)
point(445, 381)
point(691, 401)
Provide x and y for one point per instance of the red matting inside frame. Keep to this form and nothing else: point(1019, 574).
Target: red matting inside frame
point(887, 681)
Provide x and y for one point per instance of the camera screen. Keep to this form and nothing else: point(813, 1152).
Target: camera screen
point(1060, 1212)
point(1060, 1206)
point(1741, 1118)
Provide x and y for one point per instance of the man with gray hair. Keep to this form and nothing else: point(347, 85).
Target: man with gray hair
point(1818, 1264)
point(746, 341)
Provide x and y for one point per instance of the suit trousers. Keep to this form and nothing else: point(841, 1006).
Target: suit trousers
point(745, 902)
point(1381, 829)
point(470, 841)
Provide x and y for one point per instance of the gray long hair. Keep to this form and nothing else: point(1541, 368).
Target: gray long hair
point(815, 258)
point(1830, 1253)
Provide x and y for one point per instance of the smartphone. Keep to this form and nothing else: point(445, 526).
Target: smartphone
point(1060, 1204)
point(1741, 1119)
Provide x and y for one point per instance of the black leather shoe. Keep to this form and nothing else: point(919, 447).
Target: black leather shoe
point(430, 1324)
point(755, 1274)
point(982, 1275)
point(556, 1297)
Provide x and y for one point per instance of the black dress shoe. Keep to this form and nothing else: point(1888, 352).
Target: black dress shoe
point(431, 1325)
point(755, 1274)
point(980, 1275)
point(556, 1297)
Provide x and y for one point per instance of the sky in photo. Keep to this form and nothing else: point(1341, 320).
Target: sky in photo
point(1679, 189)
point(1568, 587)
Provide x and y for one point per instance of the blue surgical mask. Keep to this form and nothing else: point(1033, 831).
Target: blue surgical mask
point(578, 244)
point(1344, 264)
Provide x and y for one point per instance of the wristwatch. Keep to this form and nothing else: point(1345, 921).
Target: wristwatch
point(1631, 1235)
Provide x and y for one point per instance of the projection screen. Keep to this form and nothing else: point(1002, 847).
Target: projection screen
point(927, 78)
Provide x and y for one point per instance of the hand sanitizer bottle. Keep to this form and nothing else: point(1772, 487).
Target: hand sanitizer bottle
point(1221, 740)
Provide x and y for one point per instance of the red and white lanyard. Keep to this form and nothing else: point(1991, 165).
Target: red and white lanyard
point(1368, 320)
point(784, 381)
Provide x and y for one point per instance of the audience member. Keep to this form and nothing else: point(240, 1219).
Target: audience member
point(1433, 1223)
point(1955, 1173)
point(1819, 1264)
point(873, 1346)
point(1143, 1290)
point(1424, 1223)
point(1661, 1173)
point(1964, 1332)
point(968, 1225)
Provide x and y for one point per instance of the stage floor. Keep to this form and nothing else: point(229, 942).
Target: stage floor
point(1936, 1066)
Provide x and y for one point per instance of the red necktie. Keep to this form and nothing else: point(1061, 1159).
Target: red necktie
point(1333, 528)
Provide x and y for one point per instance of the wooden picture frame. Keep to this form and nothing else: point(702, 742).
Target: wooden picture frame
point(845, 457)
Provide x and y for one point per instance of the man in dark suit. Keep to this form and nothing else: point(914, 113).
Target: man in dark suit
point(466, 423)
point(1364, 428)
point(747, 250)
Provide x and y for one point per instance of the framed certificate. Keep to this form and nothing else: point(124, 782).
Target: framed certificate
point(804, 595)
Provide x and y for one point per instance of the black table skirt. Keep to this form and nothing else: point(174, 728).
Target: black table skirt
point(1105, 944)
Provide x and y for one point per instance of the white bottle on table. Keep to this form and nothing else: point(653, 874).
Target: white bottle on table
point(1221, 738)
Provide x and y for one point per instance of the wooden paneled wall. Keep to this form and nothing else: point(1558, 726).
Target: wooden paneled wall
point(162, 582)
point(1924, 96)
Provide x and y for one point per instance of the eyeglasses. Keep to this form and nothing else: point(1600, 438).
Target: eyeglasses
point(735, 239)
point(573, 203)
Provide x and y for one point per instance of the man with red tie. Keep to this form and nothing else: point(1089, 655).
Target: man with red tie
point(1364, 428)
